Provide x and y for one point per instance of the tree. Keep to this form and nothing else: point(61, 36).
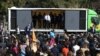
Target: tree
point(19, 3)
point(4, 5)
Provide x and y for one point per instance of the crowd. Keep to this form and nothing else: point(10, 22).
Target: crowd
point(49, 44)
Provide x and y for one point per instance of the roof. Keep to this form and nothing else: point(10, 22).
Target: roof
point(46, 8)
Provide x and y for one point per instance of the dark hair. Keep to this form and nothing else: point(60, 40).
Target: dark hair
point(52, 30)
point(23, 39)
point(65, 31)
point(87, 53)
point(79, 53)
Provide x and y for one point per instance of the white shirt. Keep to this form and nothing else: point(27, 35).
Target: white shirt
point(18, 31)
point(47, 17)
point(76, 48)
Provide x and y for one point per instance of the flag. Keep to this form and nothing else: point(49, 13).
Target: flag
point(33, 36)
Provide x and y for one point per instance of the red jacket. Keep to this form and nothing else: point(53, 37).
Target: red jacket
point(65, 51)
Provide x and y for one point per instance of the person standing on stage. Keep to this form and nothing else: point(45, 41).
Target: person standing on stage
point(34, 20)
point(47, 20)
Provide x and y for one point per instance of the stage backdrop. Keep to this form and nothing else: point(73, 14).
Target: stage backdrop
point(75, 20)
point(23, 18)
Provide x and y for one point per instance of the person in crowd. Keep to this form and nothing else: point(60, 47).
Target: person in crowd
point(1, 28)
point(33, 46)
point(17, 30)
point(57, 38)
point(92, 44)
point(76, 47)
point(27, 30)
point(84, 48)
point(70, 53)
point(51, 44)
point(87, 53)
point(55, 50)
point(52, 38)
point(98, 54)
point(93, 29)
point(15, 48)
point(45, 47)
point(22, 47)
point(79, 53)
point(52, 34)
point(65, 49)
point(29, 51)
